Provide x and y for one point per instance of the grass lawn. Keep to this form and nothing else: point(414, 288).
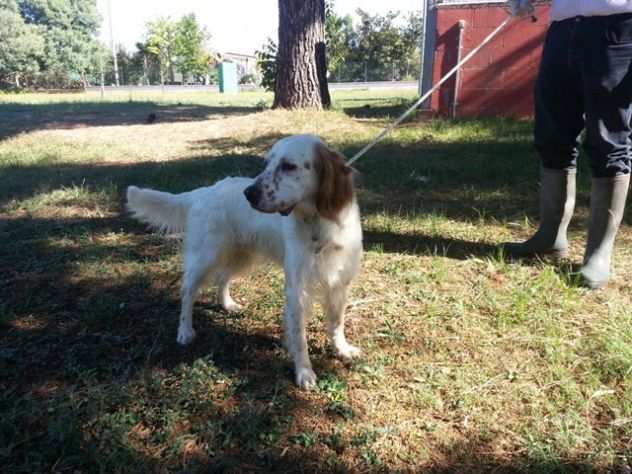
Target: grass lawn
point(472, 363)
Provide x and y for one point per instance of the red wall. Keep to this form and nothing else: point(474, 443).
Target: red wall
point(499, 79)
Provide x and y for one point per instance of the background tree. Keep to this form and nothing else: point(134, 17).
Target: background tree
point(179, 46)
point(267, 64)
point(161, 42)
point(338, 36)
point(378, 48)
point(383, 49)
point(21, 45)
point(301, 79)
point(148, 63)
point(411, 33)
point(100, 59)
point(191, 47)
point(127, 67)
point(69, 29)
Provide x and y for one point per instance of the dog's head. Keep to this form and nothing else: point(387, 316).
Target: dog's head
point(301, 171)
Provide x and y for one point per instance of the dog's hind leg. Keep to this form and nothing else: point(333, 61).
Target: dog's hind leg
point(223, 292)
point(335, 302)
point(197, 268)
point(236, 264)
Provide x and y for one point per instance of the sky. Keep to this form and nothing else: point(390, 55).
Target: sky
point(236, 26)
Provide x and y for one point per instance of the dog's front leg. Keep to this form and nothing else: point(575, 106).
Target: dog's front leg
point(335, 302)
point(295, 315)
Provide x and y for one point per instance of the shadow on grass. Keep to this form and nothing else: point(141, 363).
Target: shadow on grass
point(374, 108)
point(91, 375)
point(490, 180)
point(23, 182)
point(21, 118)
point(225, 145)
point(419, 244)
point(105, 388)
point(462, 179)
point(475, 456)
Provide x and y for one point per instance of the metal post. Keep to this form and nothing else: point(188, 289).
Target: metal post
point(457, 77)
point(116, 72)
point(102, 75)
point(428, 40)
point(422, 43)
point(145, 77)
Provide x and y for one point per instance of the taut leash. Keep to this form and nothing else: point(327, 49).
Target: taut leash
point(410, 110)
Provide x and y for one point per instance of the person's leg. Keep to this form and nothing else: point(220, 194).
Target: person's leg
point(558, 124)
point(607, 73)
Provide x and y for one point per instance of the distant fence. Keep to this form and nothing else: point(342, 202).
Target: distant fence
point(370, 71)
point(333, 86)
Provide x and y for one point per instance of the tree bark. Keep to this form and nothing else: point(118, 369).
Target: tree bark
point(301, 79)
point(172, 73)
point(145, 77)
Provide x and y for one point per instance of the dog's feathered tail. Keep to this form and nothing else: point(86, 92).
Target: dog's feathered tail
point(165, 212)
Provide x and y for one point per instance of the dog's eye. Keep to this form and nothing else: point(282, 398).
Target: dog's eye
point(285, 166)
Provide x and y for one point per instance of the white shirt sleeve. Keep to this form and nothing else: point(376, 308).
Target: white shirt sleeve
point(563, 9)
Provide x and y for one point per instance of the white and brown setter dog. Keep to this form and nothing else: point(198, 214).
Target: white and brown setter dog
point(300, 212)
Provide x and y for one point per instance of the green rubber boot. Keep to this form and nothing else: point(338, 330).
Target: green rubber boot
point(557, 203)
point(607, 203)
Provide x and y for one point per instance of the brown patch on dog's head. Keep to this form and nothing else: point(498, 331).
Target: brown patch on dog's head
point(335, 182)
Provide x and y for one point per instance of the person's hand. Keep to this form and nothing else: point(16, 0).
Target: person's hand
point(520, 7)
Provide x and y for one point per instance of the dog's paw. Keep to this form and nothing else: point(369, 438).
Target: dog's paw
point(347, 352)
point(185, 335)
point(305, 378)
point(232, 307)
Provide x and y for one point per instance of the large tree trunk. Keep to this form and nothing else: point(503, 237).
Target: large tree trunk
point(301, 79)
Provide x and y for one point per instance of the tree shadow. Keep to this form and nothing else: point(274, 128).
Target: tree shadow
point(19, 118)
point(226, 145)
point(474, 455)
point(81, 388)
point(74, 349)
point(419, 244)
point(22, 182)
point(116, 336)
point(488, 180)
point(375, 108)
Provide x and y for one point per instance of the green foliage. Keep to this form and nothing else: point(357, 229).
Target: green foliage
point(380, 47)
point(383, 46)
point(139, 67)
point(191, 47)
point(161, 42)
point(99, 56)
point(267, 62)
point(306, 439)
point(69, 30)
point(338, 35)
point(21, 45)
point(179, 45)
point(55, 38)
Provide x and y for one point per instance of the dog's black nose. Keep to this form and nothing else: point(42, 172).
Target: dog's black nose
point(253, 194)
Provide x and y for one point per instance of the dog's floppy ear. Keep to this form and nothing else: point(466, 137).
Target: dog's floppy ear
point(335, 182)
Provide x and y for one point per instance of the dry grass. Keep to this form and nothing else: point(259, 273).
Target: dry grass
point(473, 363)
